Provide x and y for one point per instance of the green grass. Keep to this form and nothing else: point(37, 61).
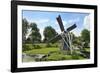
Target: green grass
point(42, 50)
point(56, 54)
point(56, 57)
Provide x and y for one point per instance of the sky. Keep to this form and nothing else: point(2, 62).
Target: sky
point(43, 19)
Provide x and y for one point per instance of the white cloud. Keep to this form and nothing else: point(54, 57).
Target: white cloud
point(42, 21)
point(86, 25)
point(58, 31)
point(72, 21)
point(87, 22)
point(65, 23)
point(39, 21)
point(68, 23)
point(77, 32)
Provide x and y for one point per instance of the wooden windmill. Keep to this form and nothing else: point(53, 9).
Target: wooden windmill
point(65, 35)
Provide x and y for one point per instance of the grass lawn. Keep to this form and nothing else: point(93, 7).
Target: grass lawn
point(56, 54)
point(42, 50)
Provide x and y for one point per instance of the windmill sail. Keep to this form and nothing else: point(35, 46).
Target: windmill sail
point(71, 27)
point(65, 36)
point(60, 23)
point(54, 39)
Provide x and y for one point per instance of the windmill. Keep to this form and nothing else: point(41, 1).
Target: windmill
point(65, 36)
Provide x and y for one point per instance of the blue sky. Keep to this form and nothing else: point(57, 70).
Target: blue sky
point(43, 19)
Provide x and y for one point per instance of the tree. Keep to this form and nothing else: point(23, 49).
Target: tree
point(85, 34)
point(76, 41)
point(49, 33)
point(24, 29)
point(35, 35)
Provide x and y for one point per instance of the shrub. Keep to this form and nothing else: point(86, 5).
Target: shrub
point(26, 47)
point(63, 58)
point(48, 45)
point(36, 59)
point(75, 55)
point(37, 47)
point(55, 45)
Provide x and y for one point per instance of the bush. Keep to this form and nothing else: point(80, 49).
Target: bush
point(37, 47)
point(75, 55)
point(63, 58)
point(26, 47)
point(55, 45)
point(37, 59)
point(48, 45)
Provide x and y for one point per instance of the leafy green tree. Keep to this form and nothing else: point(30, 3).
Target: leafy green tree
point(85, 34)
point(76, 40)
point(49, 33)
point(25, 27)
point(35, 35)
